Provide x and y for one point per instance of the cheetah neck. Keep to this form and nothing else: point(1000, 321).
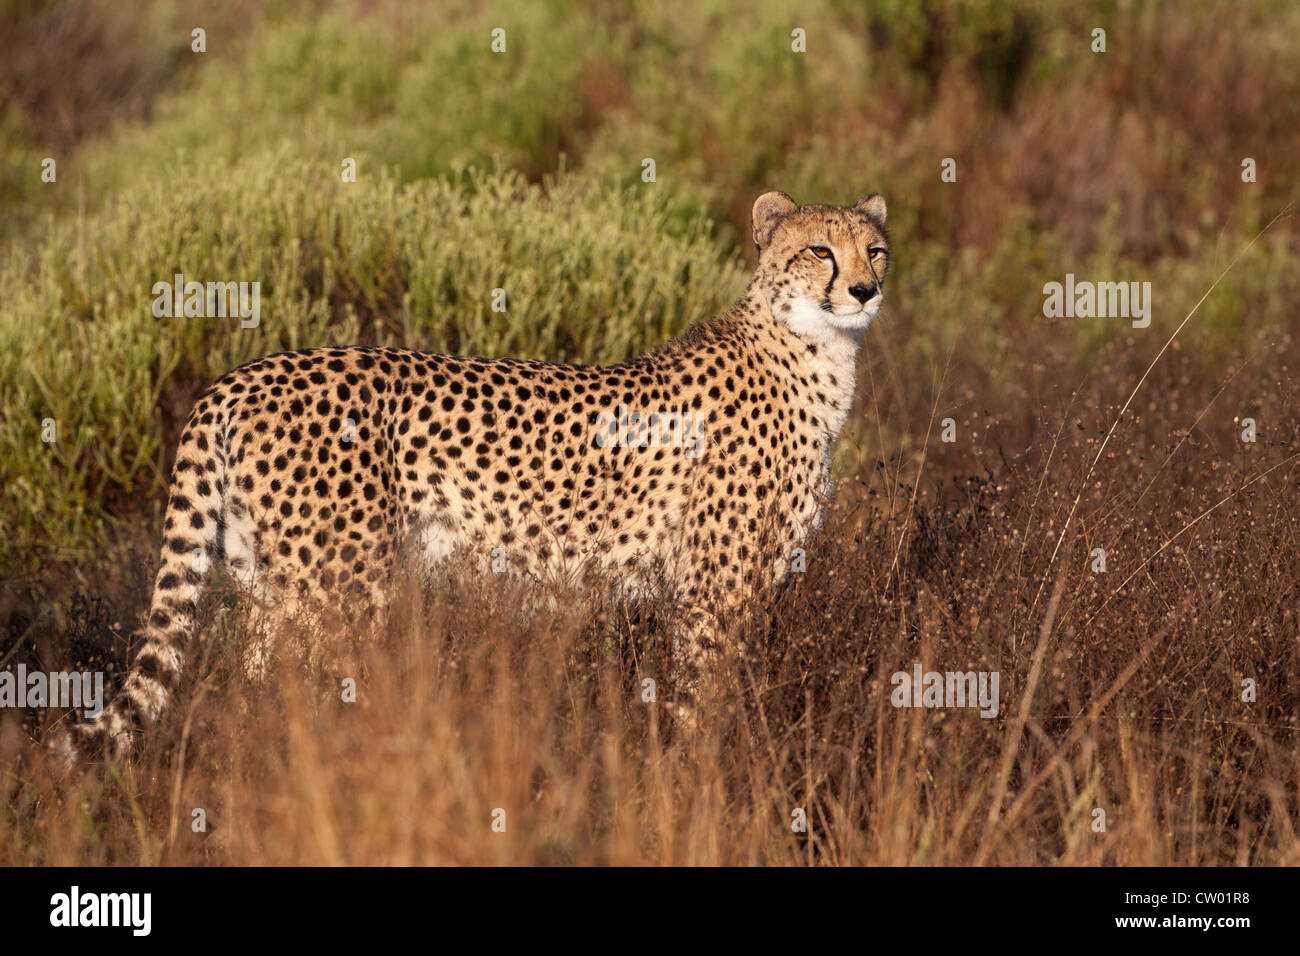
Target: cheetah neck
point(833, 359)
point(827, 360)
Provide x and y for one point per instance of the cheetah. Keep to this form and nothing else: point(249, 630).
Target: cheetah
point(308, 473)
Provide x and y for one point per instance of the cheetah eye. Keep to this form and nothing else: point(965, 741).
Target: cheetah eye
point(821, 252)
point(876, 251)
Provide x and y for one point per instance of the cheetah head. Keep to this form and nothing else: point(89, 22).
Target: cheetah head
point(821, 268)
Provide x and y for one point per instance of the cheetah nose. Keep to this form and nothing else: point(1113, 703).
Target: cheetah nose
point(862, 292)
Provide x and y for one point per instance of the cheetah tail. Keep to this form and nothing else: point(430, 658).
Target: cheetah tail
point(191, 531)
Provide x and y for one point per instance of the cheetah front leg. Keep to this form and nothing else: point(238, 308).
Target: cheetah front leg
point(708, 625)
point(701, 634)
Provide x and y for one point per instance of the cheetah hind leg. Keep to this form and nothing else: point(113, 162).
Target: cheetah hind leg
point(327, 636)
point(262, 625)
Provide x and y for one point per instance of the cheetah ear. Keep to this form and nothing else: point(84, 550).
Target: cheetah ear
point(873, 206)
point(768, 210)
